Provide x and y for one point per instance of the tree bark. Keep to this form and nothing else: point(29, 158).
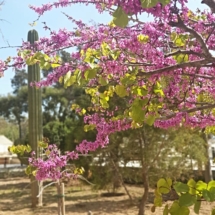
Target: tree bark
point(208, 171)
point(121, 180)
point(144, 198)
point(145, 168)
point(20, 129)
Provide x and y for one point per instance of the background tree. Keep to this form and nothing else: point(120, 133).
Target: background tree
point(8, 129)
point(14, 108)
point(154, 152)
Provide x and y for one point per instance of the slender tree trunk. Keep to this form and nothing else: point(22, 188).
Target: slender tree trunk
point(144, 198)
point(143, 145)
point(121, 180)
point(20, 130)
point(208, 171)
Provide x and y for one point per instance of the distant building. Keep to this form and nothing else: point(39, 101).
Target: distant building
point(211, 144)
point(4, 144)
point(5, 155)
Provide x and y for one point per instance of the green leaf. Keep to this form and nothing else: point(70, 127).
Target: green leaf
point(187, 200)
point(207, 195)
point(128, 79)
point(179, 41)
point(121, 91)
point(175, 209)
point(181, 187)
point(158, 201)
point(120, 18)
point(159, 91)
point(104, 96)
point(164, 2)
point(42, 144)
point(89, 127)
point(166, 210)
point(34, 172)
point(211, 184)
point(200, 185)
point(192, 186)
point(67, 76)
point(70, 81)
point(103, 81)
point(55, 65)
point(212, 193)
point(31, 61)
point(105, 49)
point(149, 3)
point(150, 119)
point(173, 36)
point(104, 100)
point(28, 170)
point(164, 185)
point(140, 91)
point(213, 212)
point(137, 110)
point(28, 148)
point(46, 66)
point(143, 38)
point(104, 103)
point(180, 58)
point(90, 74)
point(197, 206)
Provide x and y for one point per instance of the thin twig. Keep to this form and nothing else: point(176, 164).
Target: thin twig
point(84, 179)
point(180, 24)
point(42, 188)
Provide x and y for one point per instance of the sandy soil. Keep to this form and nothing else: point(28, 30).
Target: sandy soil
point(15, 200)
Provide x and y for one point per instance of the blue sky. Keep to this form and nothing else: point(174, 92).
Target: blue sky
point(18, 16)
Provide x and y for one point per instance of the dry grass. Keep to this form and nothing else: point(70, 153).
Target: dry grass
point(15, 200)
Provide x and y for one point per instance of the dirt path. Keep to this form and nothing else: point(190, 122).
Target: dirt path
point(15, 200)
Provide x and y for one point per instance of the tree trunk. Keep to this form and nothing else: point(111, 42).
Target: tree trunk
point(119, 175)
point(208, 171)
point(145, 168)
point(20, 129)
point(144, 198)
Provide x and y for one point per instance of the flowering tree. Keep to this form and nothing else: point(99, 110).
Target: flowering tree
point(164, 69)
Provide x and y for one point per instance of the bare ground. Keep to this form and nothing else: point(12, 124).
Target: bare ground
point(15, 200)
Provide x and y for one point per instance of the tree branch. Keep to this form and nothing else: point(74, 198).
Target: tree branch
point(180, 24)
point(197, 63)
point(204, 107)
point(183, 52)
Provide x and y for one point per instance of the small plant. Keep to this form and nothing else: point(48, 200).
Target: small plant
point(189, 194)
point(52, 165)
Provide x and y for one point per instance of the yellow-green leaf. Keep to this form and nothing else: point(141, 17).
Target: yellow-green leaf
point(164, 185)
point(121, 91)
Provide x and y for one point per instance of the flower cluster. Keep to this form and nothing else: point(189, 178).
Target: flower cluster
point(50, 167)
point(163, 69)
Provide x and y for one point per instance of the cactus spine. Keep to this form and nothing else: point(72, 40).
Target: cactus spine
point(34, 115)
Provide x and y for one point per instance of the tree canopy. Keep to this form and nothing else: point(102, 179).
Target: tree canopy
point(163, 70)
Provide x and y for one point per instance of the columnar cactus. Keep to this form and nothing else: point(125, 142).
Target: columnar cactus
point(34, 113)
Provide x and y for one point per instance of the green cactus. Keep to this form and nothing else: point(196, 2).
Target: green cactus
point(34, 114)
